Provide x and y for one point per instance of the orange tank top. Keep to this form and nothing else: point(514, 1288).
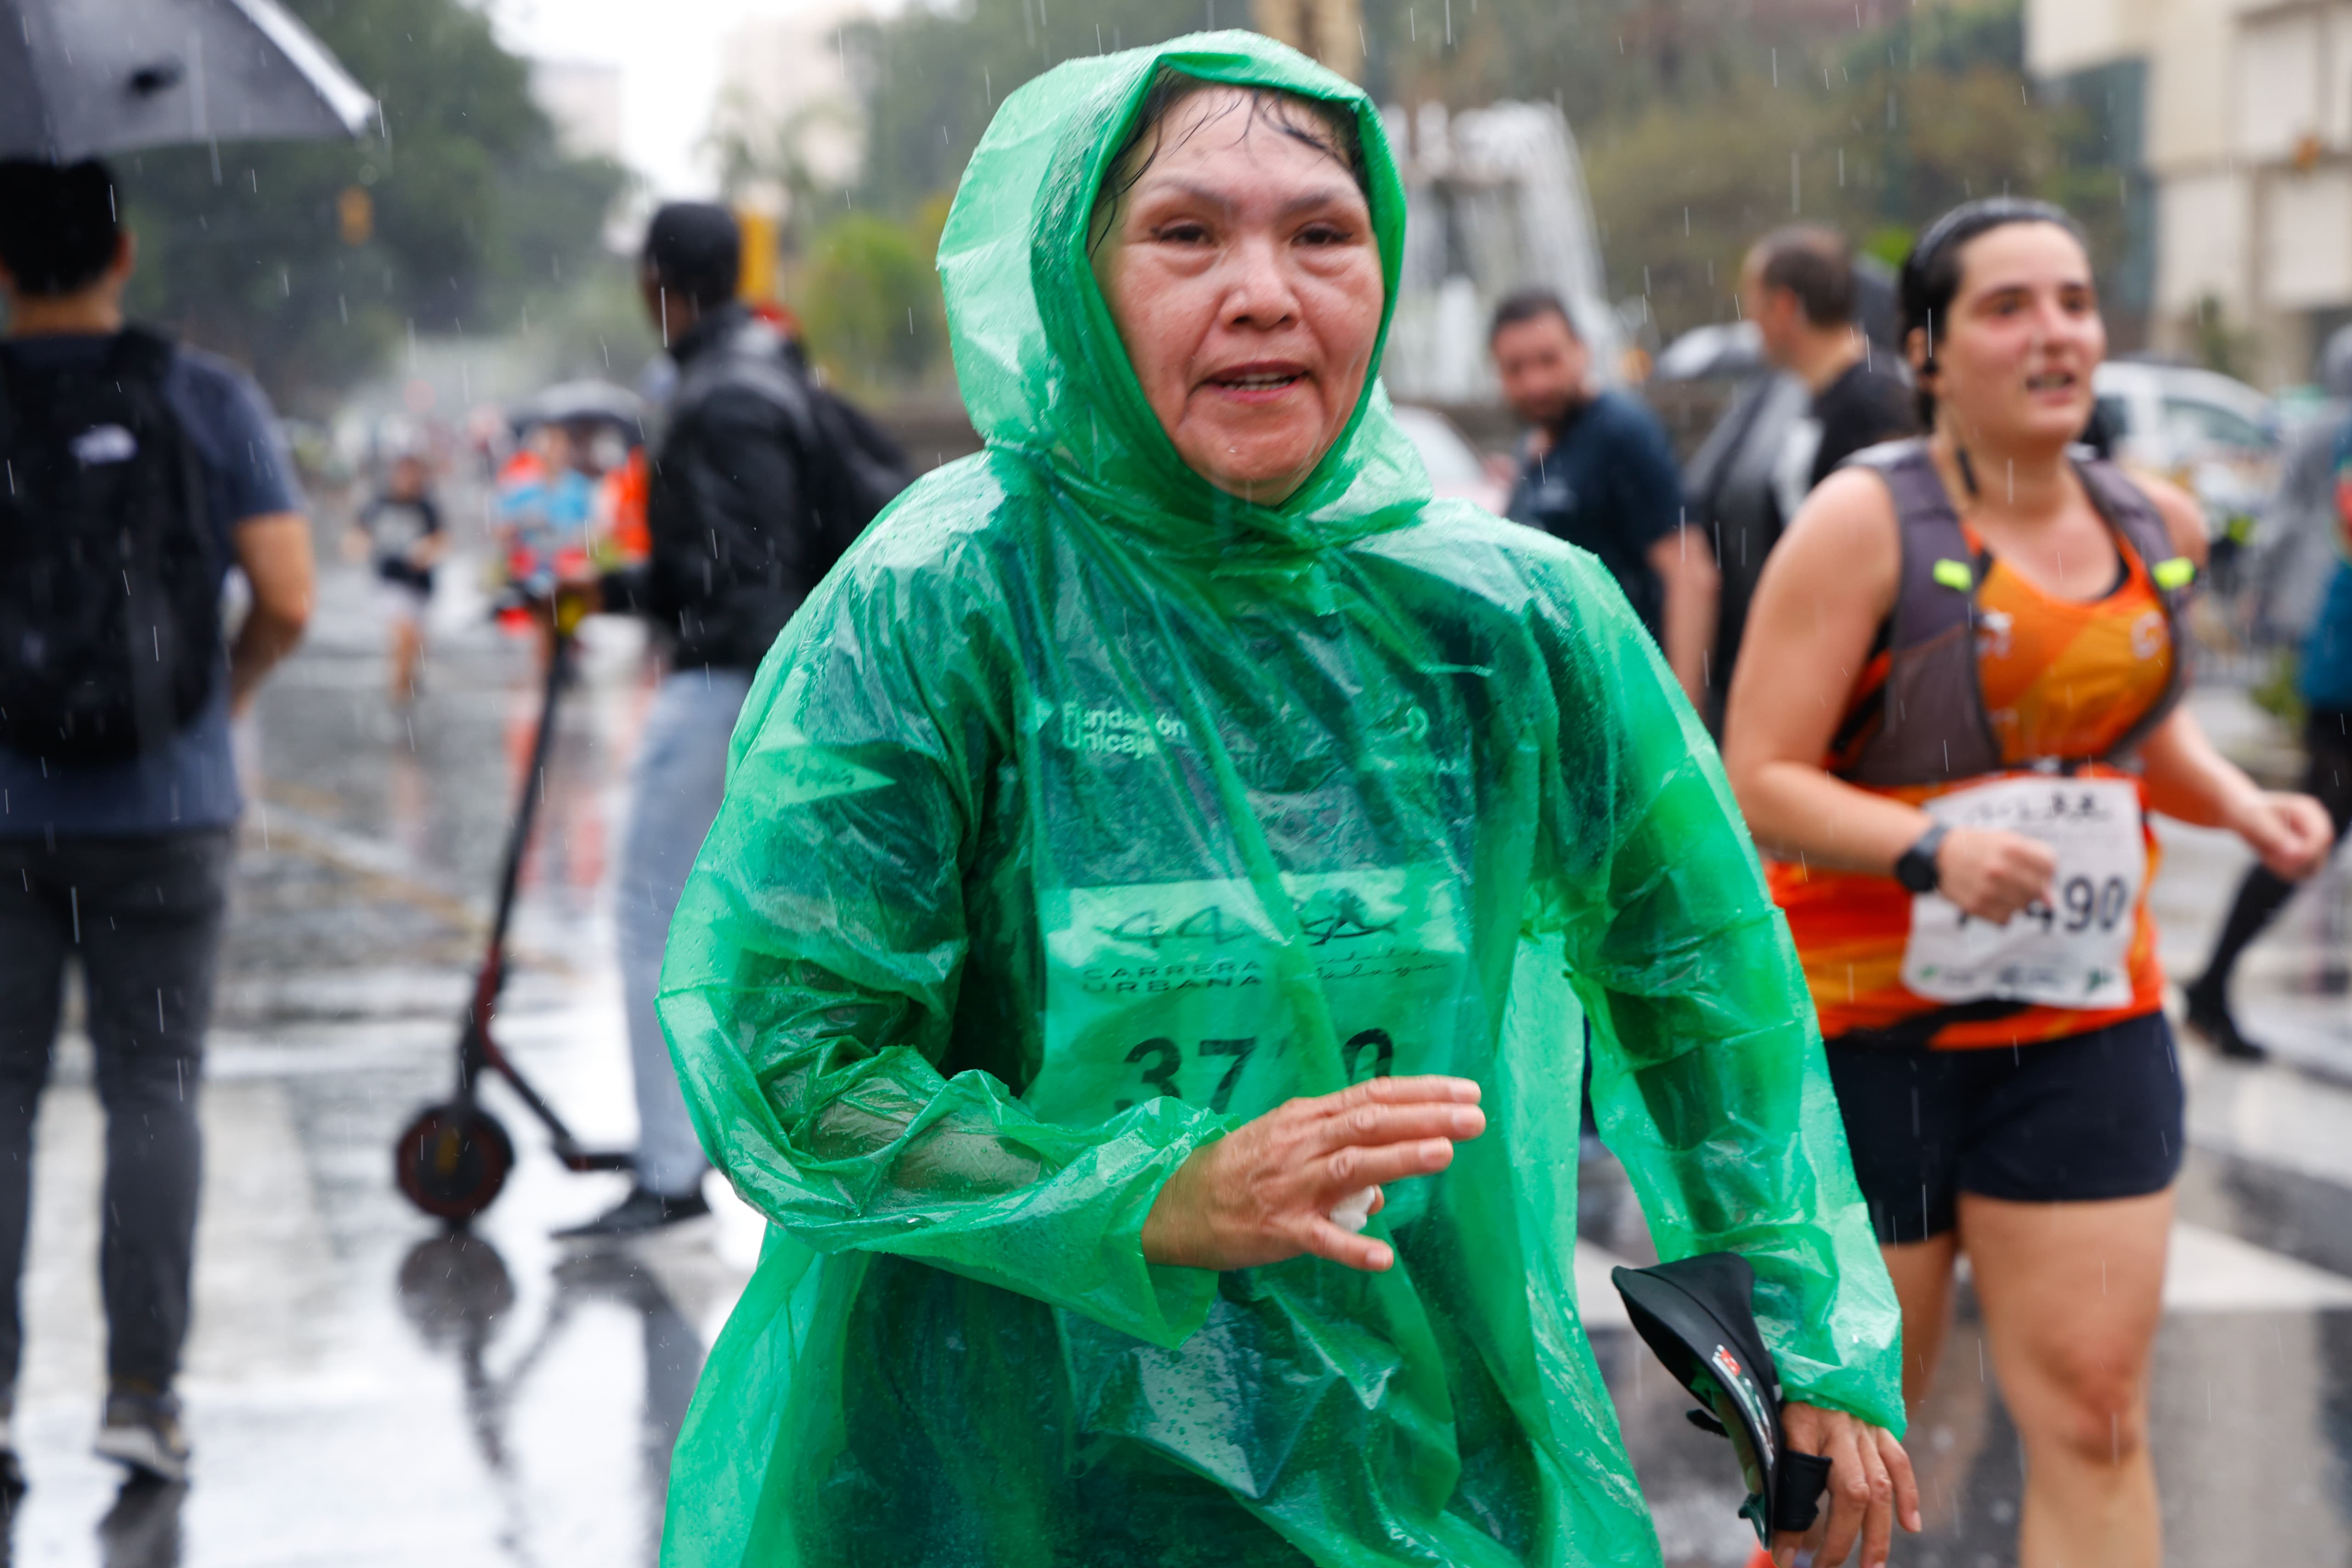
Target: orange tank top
point(2061, 679)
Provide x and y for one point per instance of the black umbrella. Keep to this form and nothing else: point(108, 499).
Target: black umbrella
point(80, 77)
point(586, 401)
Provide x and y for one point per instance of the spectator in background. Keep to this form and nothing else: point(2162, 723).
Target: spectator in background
point(2310, 550)
point(543, 507)
point(401, 531)
point(734, 543)
point(115, 842)
point(1596, 469)
point(1798, 287)
point(545, 503)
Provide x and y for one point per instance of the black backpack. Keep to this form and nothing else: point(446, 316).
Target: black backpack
point(110, 578)
point(850, 467)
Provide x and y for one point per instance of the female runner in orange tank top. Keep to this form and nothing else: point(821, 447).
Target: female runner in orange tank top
point(2040, 1137)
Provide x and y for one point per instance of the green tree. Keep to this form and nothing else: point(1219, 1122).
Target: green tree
point(471, 209)
point(931, 78)
point(1703, 123)
point(870, 302)
point(1874, 133)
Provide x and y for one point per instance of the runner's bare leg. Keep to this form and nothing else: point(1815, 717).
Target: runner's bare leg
point(2072, 1295)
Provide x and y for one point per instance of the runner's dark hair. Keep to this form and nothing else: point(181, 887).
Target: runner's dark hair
point(58, 224)
point(1931, 273)
point(1326, 127)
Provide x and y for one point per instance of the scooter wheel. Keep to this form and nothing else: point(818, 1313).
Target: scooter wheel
point(452, 1160)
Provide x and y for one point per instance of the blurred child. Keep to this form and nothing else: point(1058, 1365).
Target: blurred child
point(401, 529)
point(545, 506)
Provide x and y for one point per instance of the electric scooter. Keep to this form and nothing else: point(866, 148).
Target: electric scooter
point(453, 1157)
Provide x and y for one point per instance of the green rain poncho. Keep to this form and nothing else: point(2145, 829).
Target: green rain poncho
point(1085, 812)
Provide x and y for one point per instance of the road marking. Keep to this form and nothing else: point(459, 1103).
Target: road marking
point(2206, 1271)
point(2272, 1116)
point(2212, 1271)
point(1597, 1301)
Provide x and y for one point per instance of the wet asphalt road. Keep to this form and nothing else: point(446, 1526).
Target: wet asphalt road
point(364, 1389)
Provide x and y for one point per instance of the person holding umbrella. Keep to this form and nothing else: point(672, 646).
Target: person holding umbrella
point(118, 795)
point(118, 799)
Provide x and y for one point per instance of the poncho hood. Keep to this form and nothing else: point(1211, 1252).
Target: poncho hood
point(1039, 360)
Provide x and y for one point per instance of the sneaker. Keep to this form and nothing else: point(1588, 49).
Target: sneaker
point(143, 1431)
point(2209, 1015)
point(640, 1214)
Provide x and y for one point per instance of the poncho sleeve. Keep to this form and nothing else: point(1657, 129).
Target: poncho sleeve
point(1710, 1082)
point(811, 975)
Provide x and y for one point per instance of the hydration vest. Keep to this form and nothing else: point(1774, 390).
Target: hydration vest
point(1934, 728)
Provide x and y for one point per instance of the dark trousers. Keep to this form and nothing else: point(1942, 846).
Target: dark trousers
point(143, 916)
point(2327, 739)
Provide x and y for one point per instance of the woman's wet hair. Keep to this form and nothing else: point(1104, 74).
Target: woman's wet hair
point(1328, 128)
point(1931, 273)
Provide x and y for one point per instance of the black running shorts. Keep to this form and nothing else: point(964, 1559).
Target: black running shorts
point(2078, 1120)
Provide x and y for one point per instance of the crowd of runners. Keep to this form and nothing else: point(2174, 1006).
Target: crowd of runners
point(1136, 920)
point(1945, 673)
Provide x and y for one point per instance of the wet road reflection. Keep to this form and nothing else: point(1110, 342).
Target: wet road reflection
point(456, 1291)
point(366, 1391)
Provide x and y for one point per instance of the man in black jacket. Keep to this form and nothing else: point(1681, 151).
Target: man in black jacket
point(735, 548)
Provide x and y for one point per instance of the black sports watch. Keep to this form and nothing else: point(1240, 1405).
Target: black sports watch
point(1915, 867)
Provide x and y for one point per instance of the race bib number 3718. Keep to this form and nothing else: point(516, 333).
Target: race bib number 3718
point(2073, 950)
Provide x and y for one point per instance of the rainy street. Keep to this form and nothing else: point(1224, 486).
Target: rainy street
point(1420, 441)
point(365, 1389)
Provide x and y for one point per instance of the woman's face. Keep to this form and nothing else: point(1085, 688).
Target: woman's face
point(1242, 271)
point(2015, 349)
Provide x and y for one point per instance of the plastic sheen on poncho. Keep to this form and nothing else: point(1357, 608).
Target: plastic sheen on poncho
point(1085, 812)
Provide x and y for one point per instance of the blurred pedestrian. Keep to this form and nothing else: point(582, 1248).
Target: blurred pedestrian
point(1798, 287)
point(139, 469)
point(2301, 535)
point(401, 531)
point(1959, 699)
point(1596, 469)
point(735, 541)
point(2314, 503)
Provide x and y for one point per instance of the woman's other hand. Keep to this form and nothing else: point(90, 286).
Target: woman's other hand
point(1264, 1192)
point(1991, 874)
point(1870, 1488)
point(2291, 833)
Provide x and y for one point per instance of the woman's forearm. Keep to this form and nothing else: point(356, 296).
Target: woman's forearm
point(2190, 781)
point(1799, 811)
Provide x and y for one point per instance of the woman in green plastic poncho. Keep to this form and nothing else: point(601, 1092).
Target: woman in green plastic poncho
point(1128, 793)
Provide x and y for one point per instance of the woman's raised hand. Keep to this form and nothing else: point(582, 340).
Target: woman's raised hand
point(1991, 873)
point(2291, 833)
point(1265, 1191)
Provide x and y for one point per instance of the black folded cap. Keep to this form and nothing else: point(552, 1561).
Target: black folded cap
point(1698, 1315)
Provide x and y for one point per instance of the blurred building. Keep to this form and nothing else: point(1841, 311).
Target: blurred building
point(1331, 31)
point(583, 99)
point(2239, 114)
point(787, 122)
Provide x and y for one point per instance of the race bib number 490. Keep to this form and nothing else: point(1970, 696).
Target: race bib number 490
point(2072, 952)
